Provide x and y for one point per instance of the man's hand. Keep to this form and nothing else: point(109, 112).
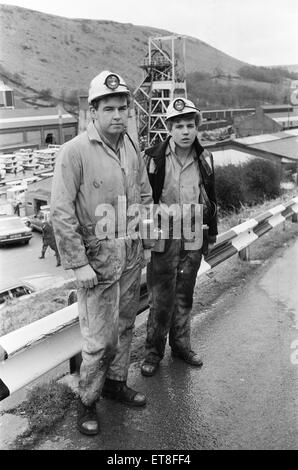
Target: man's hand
point(208, 242)
point(211, 240)
point(86, 276)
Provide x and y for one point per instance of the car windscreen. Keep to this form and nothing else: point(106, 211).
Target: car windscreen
point(11, 224)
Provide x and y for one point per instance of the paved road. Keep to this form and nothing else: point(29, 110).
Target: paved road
point(244, 397)
point(19, 261)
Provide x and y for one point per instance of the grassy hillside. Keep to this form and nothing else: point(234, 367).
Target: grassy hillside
point(44, 56)
point(41, 51)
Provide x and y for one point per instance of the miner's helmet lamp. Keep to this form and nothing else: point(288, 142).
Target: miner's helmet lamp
point(105, 84)
point(181, 106)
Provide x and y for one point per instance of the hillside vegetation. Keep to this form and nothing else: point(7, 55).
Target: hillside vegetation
point(44, 51)
point(46, 58)
point(209, 91)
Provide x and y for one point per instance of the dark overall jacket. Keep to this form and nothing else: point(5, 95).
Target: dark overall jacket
point(158, 154)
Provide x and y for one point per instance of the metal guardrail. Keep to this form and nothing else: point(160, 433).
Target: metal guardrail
point(239, 238)
point(31, 351)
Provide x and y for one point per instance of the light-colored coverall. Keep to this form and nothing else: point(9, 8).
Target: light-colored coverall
point(88, 173)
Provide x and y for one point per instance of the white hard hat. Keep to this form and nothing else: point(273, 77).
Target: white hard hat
point(106, 83)
point(180, 106)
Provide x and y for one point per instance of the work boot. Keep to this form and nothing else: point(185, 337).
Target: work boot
point(41, 257)
point(119, 391)
point(188, 356)
point(87, 419)
point(149, 368)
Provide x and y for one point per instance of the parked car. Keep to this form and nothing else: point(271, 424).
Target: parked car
point(27, 285)
point(36, 221)
point(15, 290)
point(13, 230)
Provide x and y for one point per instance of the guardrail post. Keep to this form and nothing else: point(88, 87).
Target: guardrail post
point(244, 254)
point(74, 361)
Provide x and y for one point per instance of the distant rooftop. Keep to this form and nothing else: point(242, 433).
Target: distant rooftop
point(274, 107)
point(286, 147)
point(256, 139)
point(282, 143)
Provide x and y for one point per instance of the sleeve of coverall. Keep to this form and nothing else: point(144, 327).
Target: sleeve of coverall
point(66, 184)
point(146, 195)
point(146, 190)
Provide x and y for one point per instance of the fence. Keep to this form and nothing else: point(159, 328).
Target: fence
point(33, 350)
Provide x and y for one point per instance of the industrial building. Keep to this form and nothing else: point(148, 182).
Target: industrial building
point(280, 148)
point(6, 96)
point(38, 194)
point(35, 128)
point(267, 119)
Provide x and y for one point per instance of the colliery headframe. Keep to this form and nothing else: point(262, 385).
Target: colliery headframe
point(164, 80)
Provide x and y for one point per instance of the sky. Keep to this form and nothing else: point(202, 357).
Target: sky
point(260, 32)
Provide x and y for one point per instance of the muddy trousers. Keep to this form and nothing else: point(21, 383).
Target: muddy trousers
point(107, 315)
point(54, 248)
point(171, 278)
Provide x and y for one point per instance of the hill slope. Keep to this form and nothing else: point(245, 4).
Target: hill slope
point(290, 68)
point(41, 51)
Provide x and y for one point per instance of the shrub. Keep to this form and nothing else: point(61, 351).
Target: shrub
point(262, 180)
point(45, 94)
point(229, 187)
point(250, 183)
